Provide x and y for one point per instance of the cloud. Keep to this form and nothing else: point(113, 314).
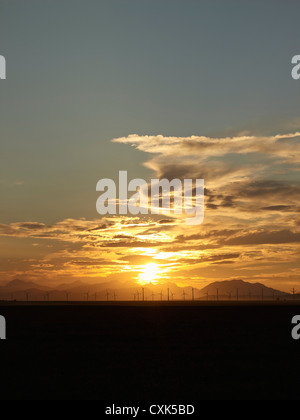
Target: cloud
point(283, 146)
point(33, 226)
point(244, 175)
point(284, 236)
point(282, 208)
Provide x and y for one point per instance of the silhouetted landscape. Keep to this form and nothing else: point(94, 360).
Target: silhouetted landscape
point(118, 291)
point(149, 350)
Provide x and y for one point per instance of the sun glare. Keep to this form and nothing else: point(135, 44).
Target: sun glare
point(149, 274)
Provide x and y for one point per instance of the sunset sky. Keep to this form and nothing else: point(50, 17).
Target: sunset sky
point(174, 89)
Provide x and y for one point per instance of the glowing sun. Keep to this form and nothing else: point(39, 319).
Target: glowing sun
point(149, 274)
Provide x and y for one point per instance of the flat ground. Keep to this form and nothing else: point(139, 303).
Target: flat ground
point(118, 351)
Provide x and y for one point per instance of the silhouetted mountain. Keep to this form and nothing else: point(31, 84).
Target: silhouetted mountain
point(21, 285)
point(241, 289)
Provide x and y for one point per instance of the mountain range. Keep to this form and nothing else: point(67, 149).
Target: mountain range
point(117, 290)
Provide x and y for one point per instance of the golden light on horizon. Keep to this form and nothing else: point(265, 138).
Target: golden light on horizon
point(149, 274)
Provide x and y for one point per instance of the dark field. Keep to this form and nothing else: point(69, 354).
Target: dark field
point(159, 351)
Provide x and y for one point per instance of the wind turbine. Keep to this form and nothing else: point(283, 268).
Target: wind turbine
point(115, 296)
point(95, 296)
point(27, 296)
point(138, 294)
point(152, 296)
point(193, 290)
point(48, 296)
point(294, 292)
point(172, 294)
point(161, 294)
point(107, 295)
point(67, 295)
point(183, 294)
point(87, 295)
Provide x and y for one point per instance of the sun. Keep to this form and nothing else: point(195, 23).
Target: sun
point(149, 274)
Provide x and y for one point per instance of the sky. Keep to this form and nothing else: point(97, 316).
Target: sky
point(167, 88)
